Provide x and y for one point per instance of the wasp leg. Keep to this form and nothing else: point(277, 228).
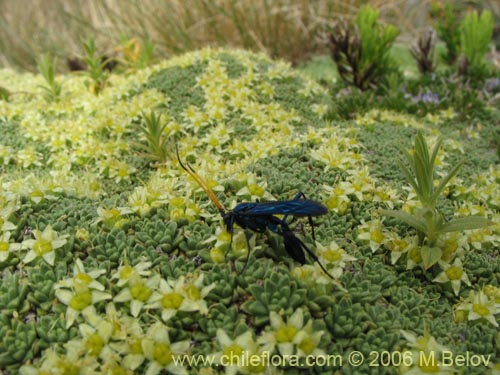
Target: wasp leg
point(295, 248)
point(293, 243)
point(229, 228)
point(247, 238)
point(297, 197)
point(230, 245)
point(311, 223)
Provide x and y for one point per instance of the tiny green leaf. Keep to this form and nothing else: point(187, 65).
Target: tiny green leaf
point(465, 223)
point(430, 256)
point(411, 220)
point(448, 177)
point(435, 151)
point(409, 177)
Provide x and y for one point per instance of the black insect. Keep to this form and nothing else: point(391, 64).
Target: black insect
point(260, 216)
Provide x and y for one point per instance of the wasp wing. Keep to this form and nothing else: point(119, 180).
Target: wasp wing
point(296, 207)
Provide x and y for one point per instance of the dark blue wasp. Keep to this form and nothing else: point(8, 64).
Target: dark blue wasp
point(260, 216)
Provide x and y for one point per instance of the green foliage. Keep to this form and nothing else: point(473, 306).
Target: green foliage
point(361, 50)
point(157, 142)
point(16, 341)
point(46, 67)
point(52, 330)
point(347, 319)
point(13, 291)
point(44, 277)
point(4, 94)
point(182, 81)
point(95, 67)
point(421, 175)
point(158, 235)
point(349, 103)
point(364, 311)
point(278, 292)
point(427, 220)
point(475, 37)
point(448, 30)
point(376, 41)
point(220, 316)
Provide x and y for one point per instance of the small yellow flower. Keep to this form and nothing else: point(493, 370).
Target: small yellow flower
point(479, 306)
point(139, 292)
point(492, 292)
point(160, 352)
point(454, 274)
point(44, 245)
point(124, 273)
point(6, 247)
point(81, 292)
point(113, 217)
point(28, 157)
point(373, 232)
point(399, 246)
point(5, 214)
point(241, 355)
point(426, 353)
point(453, 245)
point(217, 255)
point(291, 337)
point(180, 295)
point(253, 190)
point(338, 197)
point(333, 255)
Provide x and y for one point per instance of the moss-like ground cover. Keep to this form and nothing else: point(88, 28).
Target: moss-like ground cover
point(110, 265)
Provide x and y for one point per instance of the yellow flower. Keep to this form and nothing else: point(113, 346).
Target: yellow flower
point(161, 353)
point(112, 217)
point(241, 355)
point(333, 255)
point(373, 232)
point(6, 247)
point(81, 292)
point(399, 246)
point(124, 273)
point(28, 157)
point(44, 245)
point(139, 292)
point(479, 306)
point(426, 353)
point(180, 295)
point(338, 197)
point(454, 274)
point(253, 190)
point(291, 337)
point(5, 214)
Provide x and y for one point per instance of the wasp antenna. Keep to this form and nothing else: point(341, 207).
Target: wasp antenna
point(203, 184)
